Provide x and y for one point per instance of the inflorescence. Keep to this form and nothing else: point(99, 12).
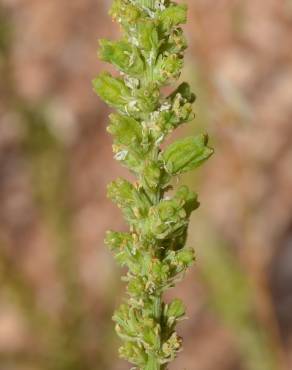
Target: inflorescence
point(149, 57)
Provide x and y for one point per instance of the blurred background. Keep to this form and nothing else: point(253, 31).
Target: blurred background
point(58, 283)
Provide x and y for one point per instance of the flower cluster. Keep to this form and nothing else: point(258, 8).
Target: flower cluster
point(150, 56)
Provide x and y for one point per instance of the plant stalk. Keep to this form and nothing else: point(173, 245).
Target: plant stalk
point(147, 3)
point(153, 364)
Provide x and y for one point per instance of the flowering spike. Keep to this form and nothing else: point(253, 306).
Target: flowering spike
point(150, 56)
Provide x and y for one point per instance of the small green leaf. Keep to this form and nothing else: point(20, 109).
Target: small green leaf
point(136, 287)
point(148, 38)
point(173, 16)
point(188, 199)
point(116, 240)
point(186, 154)
point(176, 309)
point(186, 257)
point(132, 201)
point(126, 130)
point(122, 192)
point(151, 175)
point(123, 55)
point(112, 90)
point(184, 91)
point(124, 12)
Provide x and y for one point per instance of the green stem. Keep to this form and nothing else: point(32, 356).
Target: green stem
point(153, 361)
point(153, 364)
point(157, 308)
point(148, 3)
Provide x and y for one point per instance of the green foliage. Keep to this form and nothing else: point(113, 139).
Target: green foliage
point(150, 56)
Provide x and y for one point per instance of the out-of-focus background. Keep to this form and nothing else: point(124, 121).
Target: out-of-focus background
point(58, 283)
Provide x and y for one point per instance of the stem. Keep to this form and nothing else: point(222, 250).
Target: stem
point(153, 364)
point(157, 308)
point(147, 3)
